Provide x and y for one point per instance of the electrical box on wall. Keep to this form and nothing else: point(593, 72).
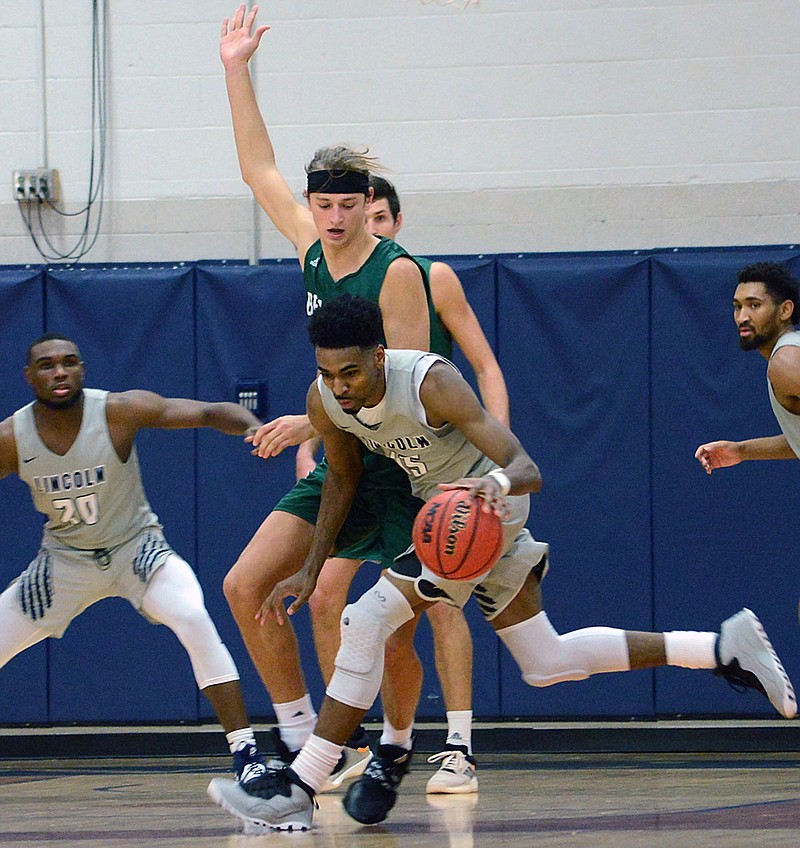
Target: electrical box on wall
point(252, 395)
point(36, 184)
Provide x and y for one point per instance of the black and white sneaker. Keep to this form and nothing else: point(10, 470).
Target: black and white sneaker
point(284, 802)
point(283, 756)
point(456, 774)
point(248, 764)
point(747, 660)
point(370, 798)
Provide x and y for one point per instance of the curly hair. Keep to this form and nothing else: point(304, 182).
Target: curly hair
point(346, 321)
point(778, 282)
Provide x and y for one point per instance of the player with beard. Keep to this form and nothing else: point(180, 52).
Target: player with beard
point(766, 309)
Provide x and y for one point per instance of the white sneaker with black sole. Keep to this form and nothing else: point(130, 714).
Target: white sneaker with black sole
point(747, 660)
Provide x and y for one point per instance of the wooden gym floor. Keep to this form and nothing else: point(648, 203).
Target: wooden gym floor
point(725, 800)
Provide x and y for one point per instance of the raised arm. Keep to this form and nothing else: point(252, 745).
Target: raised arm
point(457, 315)
point(448, 398)
point(406, 323)
point(8, 449)
point(238, 43)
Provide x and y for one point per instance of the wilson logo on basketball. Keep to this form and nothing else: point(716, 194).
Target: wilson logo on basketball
point(458, 522)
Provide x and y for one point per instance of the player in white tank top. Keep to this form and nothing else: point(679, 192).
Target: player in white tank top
point(380, 398)
point(766, 309)
point(75, 449)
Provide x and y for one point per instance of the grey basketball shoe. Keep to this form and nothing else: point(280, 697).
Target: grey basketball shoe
point(284, 802)
point(747, 660)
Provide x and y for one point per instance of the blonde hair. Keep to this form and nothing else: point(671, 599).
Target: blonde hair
point(343, 158)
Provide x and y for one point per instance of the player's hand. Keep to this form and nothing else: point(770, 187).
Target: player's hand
point(299, 586)
point(718, 455)
point(486, 488)
point(280, 433)
point(238, 41)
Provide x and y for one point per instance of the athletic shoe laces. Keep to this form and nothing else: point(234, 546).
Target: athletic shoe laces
point(388, 773)
point(451, 761)
point(739, 679)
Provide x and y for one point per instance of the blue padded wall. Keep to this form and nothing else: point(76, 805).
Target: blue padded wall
point(135, 328)
point(618, 366)
point(573, 340)
point(251, 324)
point(23, 682)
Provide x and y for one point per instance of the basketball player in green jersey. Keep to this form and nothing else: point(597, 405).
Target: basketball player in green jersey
point(452, 320)
point(415, 407)
point(337, 255)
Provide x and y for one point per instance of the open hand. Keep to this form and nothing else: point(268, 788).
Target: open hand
point(280, 433)
point(486, 488)
point(238, 41)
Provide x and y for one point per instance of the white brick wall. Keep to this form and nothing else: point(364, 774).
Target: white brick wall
point(514, 125)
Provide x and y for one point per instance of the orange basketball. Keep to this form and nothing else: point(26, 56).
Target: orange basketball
point(455, 538)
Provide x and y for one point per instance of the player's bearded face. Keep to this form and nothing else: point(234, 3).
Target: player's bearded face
point(757, 316)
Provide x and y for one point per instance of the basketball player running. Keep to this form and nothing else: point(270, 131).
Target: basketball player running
point(415, 407)
point(453, 320)
point(337, 254)
point(766, 309)
point(76, 450)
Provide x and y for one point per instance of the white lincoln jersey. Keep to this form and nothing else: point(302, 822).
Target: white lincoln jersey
point(789, 422)
point(91, 498)
point(397, 427)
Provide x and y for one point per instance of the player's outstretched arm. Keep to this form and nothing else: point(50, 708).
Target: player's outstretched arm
point(238, 42)
point(448, 398)
point(724, 454)
point(460, 319)
point(8, 449)
point(139, 409)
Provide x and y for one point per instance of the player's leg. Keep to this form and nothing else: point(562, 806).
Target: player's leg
point(173, 597)
point(452, 642)
point(401, 686)
point(366, 625)
point(52, 591)
point(326, 606)
point(740, 652)
point(17, 631)
point(402, 679)
point(276, 551)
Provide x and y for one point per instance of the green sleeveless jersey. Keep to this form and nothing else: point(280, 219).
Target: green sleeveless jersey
point(441, 338)
point(367, 283)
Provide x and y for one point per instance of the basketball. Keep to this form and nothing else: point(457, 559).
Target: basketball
point(455, 538)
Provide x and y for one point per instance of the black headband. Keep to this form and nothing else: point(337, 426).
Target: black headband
point(338, 182)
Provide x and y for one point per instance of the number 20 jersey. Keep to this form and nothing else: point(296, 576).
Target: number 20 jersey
point(91, 498)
